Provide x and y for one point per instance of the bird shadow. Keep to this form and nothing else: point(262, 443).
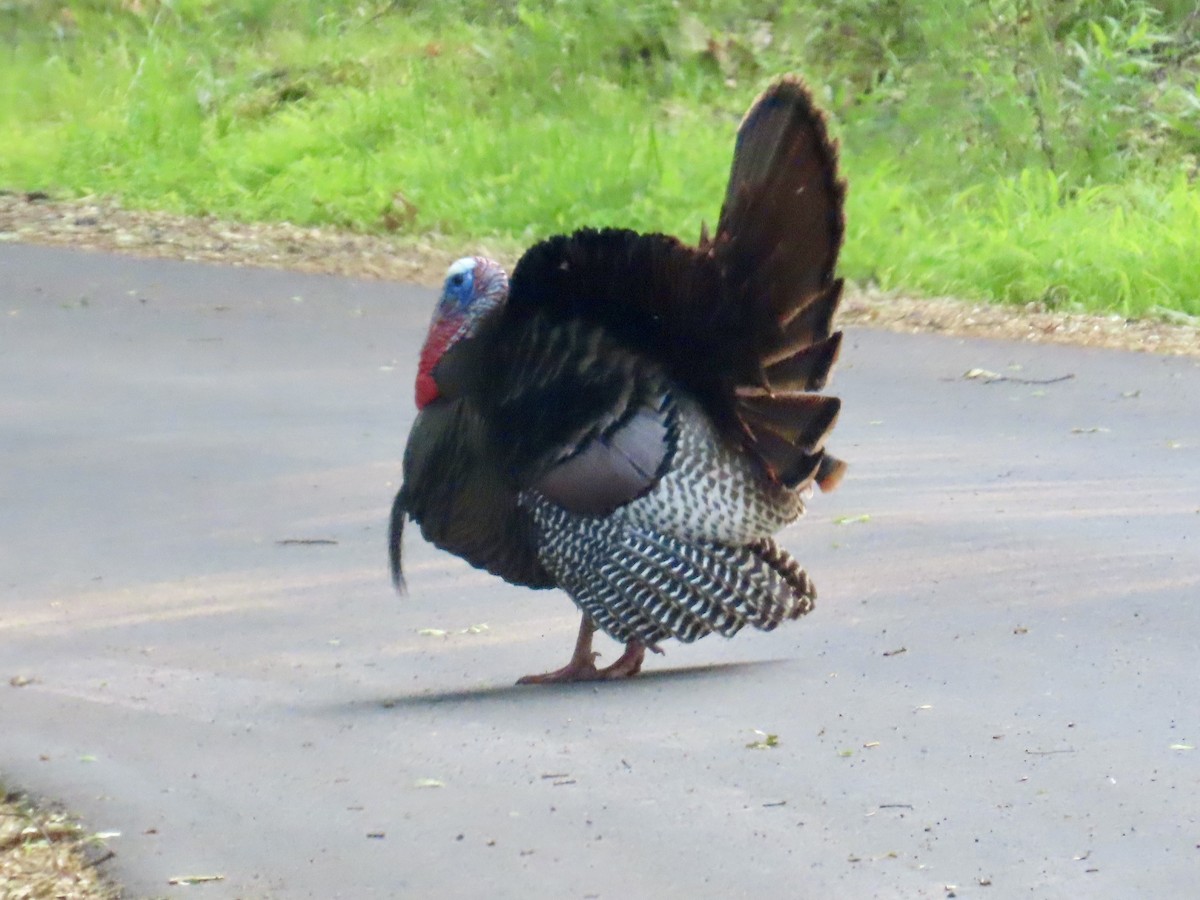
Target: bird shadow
point(654, 678)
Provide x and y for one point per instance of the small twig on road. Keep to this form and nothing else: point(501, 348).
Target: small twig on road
point(988, 377)
point(101, 859)
point(1029, 752)
point(194, 879)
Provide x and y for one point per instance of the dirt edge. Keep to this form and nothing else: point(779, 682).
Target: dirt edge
point(99, 224)
point(45, 854)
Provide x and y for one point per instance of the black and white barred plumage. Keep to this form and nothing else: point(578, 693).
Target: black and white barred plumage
point(639, 584)
point(631, 419)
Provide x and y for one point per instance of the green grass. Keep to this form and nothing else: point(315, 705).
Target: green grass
point(1015, 150)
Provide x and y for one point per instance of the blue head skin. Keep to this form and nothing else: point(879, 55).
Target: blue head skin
point(474, 287)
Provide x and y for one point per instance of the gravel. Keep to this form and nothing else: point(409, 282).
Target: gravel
point(100, 224)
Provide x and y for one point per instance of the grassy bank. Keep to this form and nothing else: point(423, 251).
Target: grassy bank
point(1019, 151)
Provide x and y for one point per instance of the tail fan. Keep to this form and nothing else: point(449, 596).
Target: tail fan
point(781, 223)
point(755, 301)
point(776, 244)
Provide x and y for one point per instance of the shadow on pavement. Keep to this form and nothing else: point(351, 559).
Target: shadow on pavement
point(508, 692)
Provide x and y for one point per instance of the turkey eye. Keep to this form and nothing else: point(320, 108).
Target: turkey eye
point(457, 280)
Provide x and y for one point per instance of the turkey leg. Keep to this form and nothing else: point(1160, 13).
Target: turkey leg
point(582, 666)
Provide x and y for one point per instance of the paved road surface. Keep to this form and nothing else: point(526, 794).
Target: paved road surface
point(988, 695)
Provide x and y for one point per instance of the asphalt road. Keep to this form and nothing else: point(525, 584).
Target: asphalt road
point(997, 695)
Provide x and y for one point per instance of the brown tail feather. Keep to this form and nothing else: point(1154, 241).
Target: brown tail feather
point(781, 223)
point(810, 323)
point(803, 420)
point(784, 462)
point(829, 472)
point(805, 370)
point(788, 432)
point(776, 245)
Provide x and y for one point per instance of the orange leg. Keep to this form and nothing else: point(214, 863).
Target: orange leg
point(582, 666)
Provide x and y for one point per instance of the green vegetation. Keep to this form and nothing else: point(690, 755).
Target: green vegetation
point(1019, 150)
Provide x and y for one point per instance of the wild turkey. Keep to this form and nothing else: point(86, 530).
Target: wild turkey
point(631, 419)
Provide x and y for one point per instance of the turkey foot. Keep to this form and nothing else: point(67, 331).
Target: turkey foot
point(629, 664)
point(582, 666)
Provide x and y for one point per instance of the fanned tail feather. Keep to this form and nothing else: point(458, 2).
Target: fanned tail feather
point(803, 420)
point(806, 368)
point(776, 244)
point(808, 323)
point(829, 472)
point(781, 223)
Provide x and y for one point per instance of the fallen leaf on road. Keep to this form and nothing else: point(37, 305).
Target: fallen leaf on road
point(432, 632)
point(851, 520)
point(194, 879)
point(982, 374)
point(765, 742)
point(1182, 747)
point(428, 783)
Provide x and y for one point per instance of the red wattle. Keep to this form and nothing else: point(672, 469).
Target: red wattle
point(427, 389)
point(440, 334)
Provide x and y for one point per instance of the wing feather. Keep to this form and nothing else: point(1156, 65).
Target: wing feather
point(574, 414)
point(461, 501)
